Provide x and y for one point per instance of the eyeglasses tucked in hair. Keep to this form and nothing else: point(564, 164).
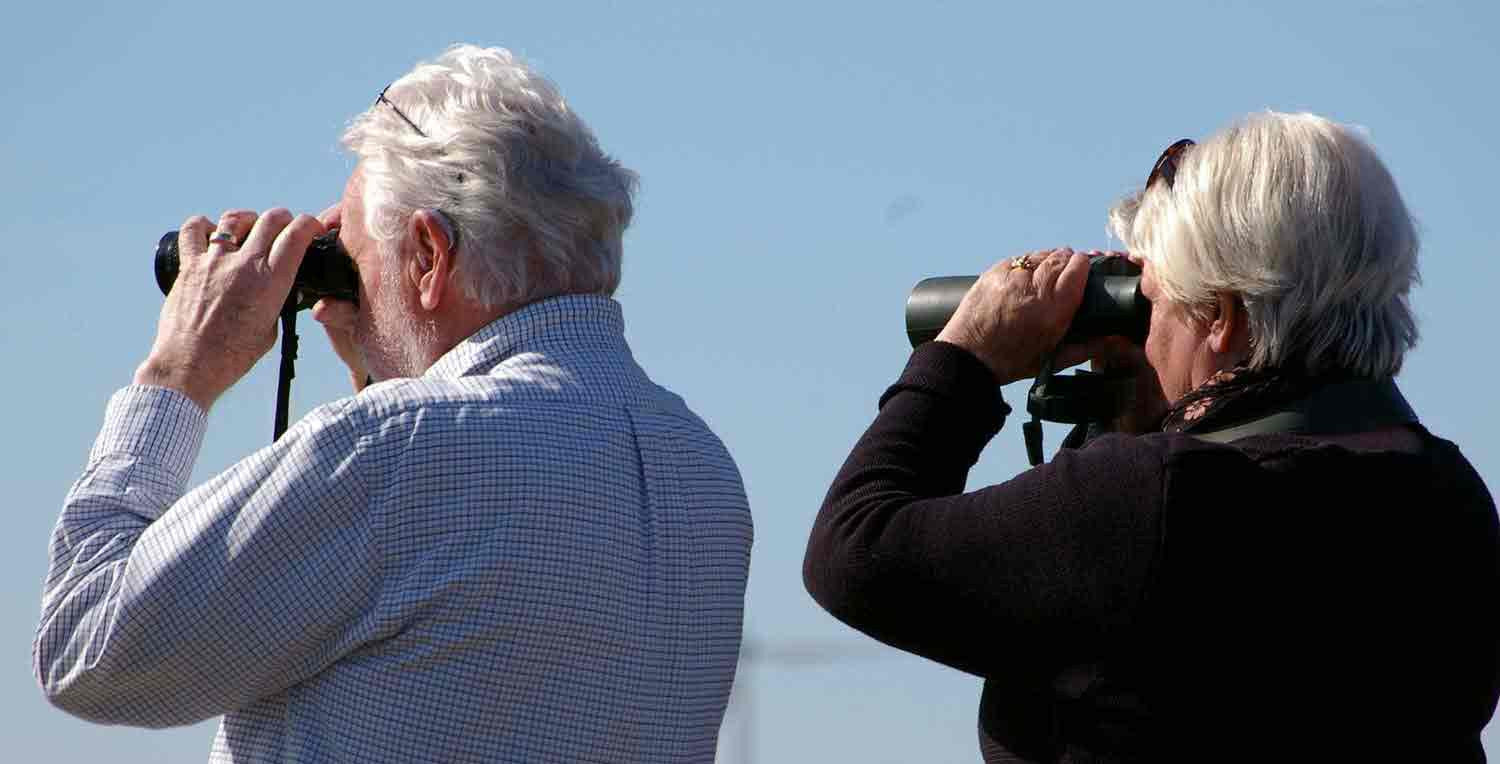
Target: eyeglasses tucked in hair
point(452, 228)
point(1166, 164)
point(379, 99)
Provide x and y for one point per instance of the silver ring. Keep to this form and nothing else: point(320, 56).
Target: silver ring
point(224, 237)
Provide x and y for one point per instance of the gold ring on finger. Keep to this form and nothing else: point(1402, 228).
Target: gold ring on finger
point(1022, 263)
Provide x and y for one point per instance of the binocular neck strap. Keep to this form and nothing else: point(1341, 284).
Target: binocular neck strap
point(1082, 398)
point(1341, 408)
point(288, 365)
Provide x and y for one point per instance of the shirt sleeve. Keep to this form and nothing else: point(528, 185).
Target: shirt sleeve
point(1043, 569)
point(163, 609)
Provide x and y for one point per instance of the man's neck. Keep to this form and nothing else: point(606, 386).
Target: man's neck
point(460, 321)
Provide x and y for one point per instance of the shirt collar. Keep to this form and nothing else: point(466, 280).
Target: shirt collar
point(569, 320)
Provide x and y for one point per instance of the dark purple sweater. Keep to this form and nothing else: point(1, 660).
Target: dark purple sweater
point(1165, 598)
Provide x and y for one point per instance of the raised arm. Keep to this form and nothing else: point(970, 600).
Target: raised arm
point(159, 610)
point(1042, 567)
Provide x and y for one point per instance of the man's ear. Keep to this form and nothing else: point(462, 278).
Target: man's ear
point(431, 265)
point(1227, 329)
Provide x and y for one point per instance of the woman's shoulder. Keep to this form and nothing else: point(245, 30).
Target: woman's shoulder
point(1386, 469)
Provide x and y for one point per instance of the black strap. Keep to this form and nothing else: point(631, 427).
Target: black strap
point(288, 365)
point(1357, 405)
point(1080, 398)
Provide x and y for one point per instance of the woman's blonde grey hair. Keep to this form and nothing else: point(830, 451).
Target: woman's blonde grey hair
point(1298, 217)
point(537, 207)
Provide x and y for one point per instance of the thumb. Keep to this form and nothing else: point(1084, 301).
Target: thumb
point(334, 314)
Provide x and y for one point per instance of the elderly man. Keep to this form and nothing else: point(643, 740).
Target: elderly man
point(513, 547)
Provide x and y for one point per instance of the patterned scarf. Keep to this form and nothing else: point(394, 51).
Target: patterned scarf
point(1237, 395)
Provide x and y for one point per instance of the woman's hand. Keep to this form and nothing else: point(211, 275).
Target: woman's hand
point(1018, 310)
point(1117, 355)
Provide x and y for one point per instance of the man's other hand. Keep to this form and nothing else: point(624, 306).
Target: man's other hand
point(339, 316)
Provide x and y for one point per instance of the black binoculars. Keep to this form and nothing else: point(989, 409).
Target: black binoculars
point(1112, 304)
point(326, 271)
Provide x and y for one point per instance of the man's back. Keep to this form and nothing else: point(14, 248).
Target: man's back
point(531, 553)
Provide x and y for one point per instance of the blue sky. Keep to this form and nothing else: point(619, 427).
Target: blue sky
point(803, 165)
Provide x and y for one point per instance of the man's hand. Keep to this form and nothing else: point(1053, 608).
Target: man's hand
point(220, 317)
point(338, 317)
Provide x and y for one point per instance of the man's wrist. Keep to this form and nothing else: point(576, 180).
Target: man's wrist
point(156, 372)
point(160, 427)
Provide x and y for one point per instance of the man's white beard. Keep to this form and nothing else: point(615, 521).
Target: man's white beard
point(397, 343)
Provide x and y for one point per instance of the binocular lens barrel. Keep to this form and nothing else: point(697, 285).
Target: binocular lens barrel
point(1112, 304)
point(932, 302)
point(326, 270)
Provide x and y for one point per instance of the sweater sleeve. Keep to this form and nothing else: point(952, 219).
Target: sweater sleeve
point(1047, 566)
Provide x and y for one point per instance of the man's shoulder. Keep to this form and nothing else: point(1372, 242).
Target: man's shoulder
point(392, 400)
point(505, 401)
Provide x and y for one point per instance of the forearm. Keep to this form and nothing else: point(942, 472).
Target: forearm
point(931, 427)
point(164, 608)
point(1033, 569)
point(872, 549)
point(138, 467)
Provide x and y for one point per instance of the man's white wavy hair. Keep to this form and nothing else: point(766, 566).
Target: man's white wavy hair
point(1297, 216)
point(539, 209)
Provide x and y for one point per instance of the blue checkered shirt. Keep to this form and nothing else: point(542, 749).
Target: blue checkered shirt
point(531, 553)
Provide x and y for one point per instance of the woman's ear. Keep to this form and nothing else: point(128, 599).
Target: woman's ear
point(431, 265)
point(1227, 328)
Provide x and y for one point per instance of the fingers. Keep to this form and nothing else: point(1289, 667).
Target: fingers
point(1044, 273)
point(192, 237)
point(263, 234)
point(332, 217)
point(1047, 272)
point(235, 223)
point(291, 246)
point(1025, 266)
point(1073, 275)
point(283, 241)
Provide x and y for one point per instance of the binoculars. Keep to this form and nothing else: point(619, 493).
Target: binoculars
point(326, 271)
point(1112, 304)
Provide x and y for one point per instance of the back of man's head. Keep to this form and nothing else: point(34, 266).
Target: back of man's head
point(537, 207)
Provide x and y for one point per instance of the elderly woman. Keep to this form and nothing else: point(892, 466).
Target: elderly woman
point(1271, 559)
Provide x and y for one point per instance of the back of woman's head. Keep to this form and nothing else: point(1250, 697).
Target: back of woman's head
point(1297, 216)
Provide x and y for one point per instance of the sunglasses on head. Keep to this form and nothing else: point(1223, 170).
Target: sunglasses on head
point(1166, 164)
